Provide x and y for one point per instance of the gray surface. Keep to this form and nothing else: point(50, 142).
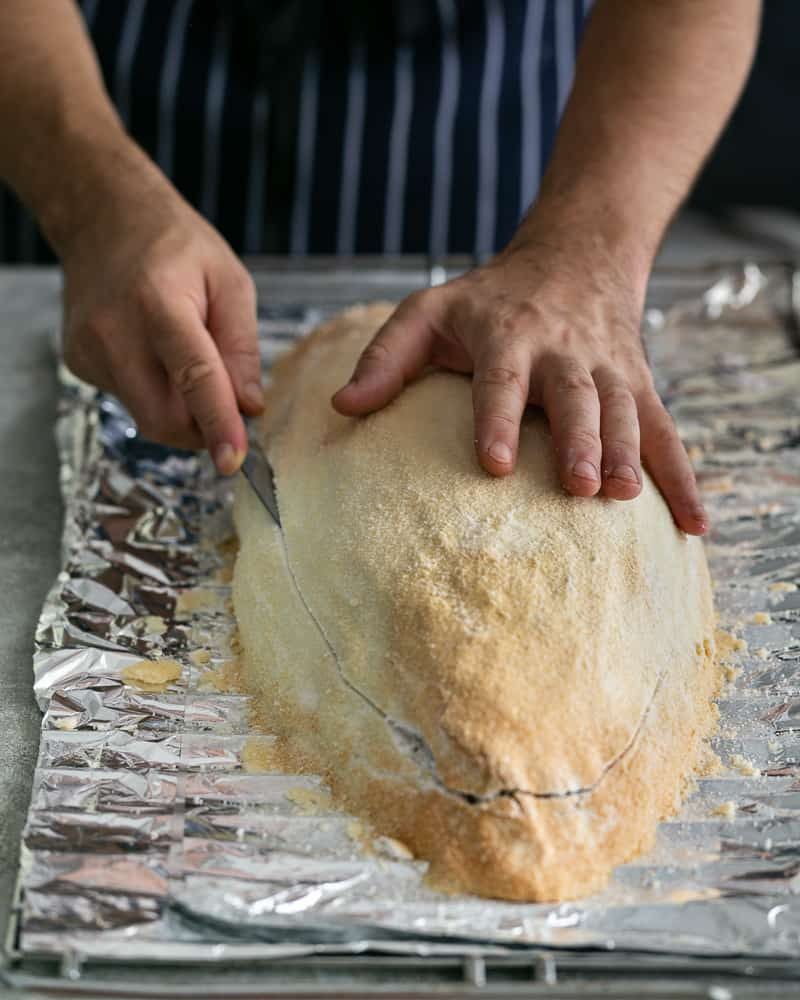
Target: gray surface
point(30, 509)
point(30, 526)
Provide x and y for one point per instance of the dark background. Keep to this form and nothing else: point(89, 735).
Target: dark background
point(757, 160)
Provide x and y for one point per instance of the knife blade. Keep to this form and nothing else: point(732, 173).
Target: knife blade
point(259, 474)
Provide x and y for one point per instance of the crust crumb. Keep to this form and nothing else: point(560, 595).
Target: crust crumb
point(728, 646)
point(393, 848)
point(68, 723)
point(151, 675)
point(151, 625)
point(744, 766)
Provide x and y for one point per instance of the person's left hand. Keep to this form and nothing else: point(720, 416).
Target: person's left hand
point(543, 326)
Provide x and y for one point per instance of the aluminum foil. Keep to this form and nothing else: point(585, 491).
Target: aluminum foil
point(149, 833)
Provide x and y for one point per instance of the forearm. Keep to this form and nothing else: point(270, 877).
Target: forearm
point(62, 145)
point(655, 83)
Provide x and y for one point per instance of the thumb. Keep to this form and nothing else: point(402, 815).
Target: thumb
point(396, 354)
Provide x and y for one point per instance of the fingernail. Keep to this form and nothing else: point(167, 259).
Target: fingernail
point(500, 452)
point(227, 459)
point(585, 470)
point(624, 472)
point(253, 394)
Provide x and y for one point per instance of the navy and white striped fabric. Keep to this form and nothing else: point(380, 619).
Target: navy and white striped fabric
point(431, 143)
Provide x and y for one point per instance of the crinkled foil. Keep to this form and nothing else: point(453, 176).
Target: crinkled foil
point(149, 835)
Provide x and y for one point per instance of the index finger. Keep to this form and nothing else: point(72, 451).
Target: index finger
point(197, 371)
point(396, 354)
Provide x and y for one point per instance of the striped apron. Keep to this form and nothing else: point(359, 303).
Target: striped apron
point(432, 141)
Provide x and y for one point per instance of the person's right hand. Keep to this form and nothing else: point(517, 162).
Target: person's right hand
point(159, 311)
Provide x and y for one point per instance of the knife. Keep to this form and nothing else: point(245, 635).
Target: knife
point(258, 472)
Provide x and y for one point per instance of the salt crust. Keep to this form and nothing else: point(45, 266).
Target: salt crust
point(513, 682)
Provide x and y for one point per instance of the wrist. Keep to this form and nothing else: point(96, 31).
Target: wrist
point(102, 176)
point(587, 228)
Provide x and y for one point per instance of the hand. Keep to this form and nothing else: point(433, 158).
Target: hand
point(160, 312)
point(538, 325)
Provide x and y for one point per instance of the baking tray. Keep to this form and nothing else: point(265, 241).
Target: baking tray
point(723, 346)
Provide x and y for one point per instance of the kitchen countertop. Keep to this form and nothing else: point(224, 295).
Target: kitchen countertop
point(30, 531)
point(30, 511)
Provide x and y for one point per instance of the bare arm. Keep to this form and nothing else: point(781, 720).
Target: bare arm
point(157, 307)
point(655, 83)
point(554, 318)
point(60, 139)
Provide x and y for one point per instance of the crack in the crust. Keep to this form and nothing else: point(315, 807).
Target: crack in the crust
point(413, 745)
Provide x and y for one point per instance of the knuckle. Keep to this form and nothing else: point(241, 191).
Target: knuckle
point(616, 395)
point(619, 451)
point(376, 353)
point(193, 376)
point(573, 380)
point(518, 319)
point(150, 290)
point(582, 438)
point(157, 284)
point(499, 377)
point(498, 417)
point(246, 354)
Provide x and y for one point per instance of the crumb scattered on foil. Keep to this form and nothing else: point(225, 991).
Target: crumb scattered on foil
point(728, 644)
point(390, 847)
point(744, 766)
point(151, 675)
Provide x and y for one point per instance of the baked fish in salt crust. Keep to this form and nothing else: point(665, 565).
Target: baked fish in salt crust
point(513, 682)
